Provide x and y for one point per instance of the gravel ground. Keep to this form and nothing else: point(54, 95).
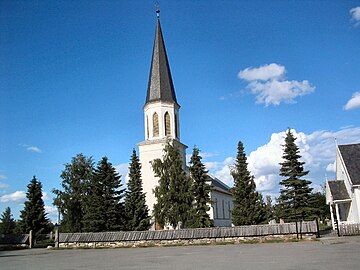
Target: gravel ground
point(329, 253)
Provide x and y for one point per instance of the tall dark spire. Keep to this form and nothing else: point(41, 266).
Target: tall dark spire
point(160, 87)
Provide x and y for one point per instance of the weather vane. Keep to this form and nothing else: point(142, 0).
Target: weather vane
point(157, 7)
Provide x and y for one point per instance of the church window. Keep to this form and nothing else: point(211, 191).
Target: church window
point(155, 125)
point(176, 126)
point(167, 124)
point(147, 127)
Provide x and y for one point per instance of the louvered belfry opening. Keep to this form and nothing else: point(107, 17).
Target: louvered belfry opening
point(167, 124)
point(155, 125)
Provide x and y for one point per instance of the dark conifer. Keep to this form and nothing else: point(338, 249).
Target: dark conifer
point(136, 210)
point(71, 200)
point(201, 191)
point(104, 210)
point(33, 216)
point(7, 223)
point(248, 204)
point(294, 203)
point(173, 194)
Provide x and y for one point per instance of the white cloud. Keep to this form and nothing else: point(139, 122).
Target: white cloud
point(3, 176)
point(262, 73)
point(355, 15)
point(52, 212)
point(34, 149)
point(270, 86)
point(354, 102)
point(3, 185)
point(31, 148)
point(17, 196)
point(45, 196)
point(123, 170)
point(317, 150)
point(331, 167)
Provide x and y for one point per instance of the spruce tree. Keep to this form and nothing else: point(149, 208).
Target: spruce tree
point(294, 199)
point(248, 204)
point(104, 210)
point(173, 194)
point(201, 191)
point(7, 225)
point(71, 200)
point(136, 210)
point(33, 216)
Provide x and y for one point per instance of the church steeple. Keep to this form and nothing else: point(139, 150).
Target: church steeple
point(160, 86)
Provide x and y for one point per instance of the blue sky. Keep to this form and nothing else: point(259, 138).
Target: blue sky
point(74, 76)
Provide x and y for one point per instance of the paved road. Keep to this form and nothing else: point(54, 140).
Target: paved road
point(339, 253)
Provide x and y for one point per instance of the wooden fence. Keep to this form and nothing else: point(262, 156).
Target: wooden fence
point(308, 227)
point(9, 239)
point(349, 229)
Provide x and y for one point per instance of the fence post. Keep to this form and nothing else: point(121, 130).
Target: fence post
point(31, 239)
point(317, 228)
point(56, 236)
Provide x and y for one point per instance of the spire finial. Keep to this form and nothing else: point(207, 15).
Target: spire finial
point(157, 7)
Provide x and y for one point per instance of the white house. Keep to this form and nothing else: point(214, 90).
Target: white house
point(162, 124)
point(343, 194)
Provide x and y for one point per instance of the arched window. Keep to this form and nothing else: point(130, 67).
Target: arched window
point(167, 124)
point(155, 125)
point(147, 127)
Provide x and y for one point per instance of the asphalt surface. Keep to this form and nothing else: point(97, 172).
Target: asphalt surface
point(330, 253)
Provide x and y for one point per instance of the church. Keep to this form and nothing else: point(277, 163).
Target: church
point(162, 124)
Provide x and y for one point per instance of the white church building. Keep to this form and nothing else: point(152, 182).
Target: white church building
point(162, 124)
point(343, 194)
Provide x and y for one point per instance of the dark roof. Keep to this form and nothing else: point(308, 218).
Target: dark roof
point(160, 87)
point(338, 190)
point(351, 155)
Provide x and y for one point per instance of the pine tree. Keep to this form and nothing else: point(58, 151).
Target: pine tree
point(33, 216)
point(201, 191)
point(7, 225)
point(173, 194)
point(294, 203)
point(104, 210)
point(137, 212)
point(269, 208)
point(71, 200)
point(248, 204)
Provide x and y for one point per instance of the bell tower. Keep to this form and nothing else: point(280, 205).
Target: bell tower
point(161, 116)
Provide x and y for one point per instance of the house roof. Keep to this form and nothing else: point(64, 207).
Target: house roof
point(338, 190)
point(160, 86)
point(217, 184)
point(351, 155)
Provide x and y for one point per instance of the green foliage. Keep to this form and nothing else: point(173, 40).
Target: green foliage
point(7, 225)
point(295, 194)
point(201, 191)
point(173, 194)
point(103, 209)
point(33, 216)
point(136, 210)
point(248, 203)
point(71, 200)
point(269, 208)
point(320, 209)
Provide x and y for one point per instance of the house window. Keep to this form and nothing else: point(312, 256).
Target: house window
point(216, 209)
point(167, 124)
point(223, 209)
point(155, 125)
